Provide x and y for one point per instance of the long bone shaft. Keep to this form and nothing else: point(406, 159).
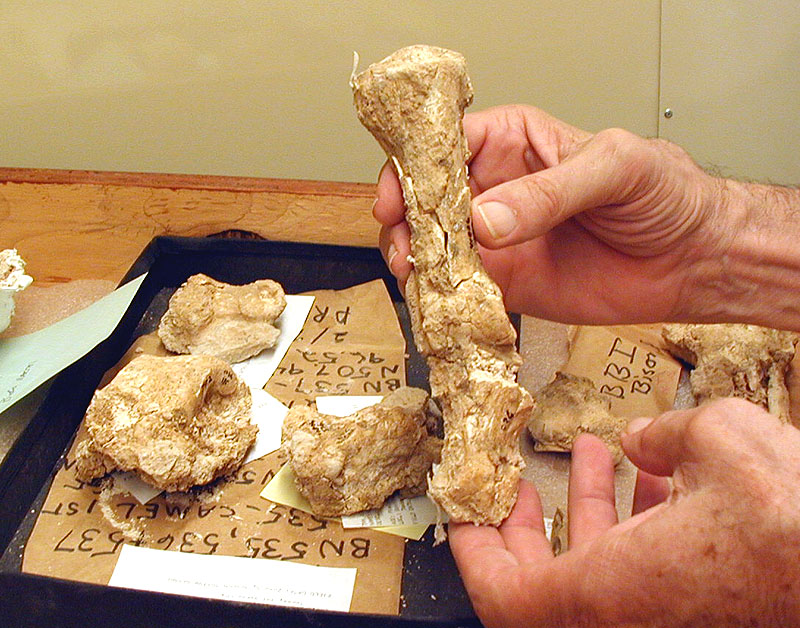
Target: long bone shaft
point(413, 102)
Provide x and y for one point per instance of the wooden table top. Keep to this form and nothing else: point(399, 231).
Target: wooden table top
point(71, 224)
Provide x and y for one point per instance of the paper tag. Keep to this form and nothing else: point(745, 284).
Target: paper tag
point(129, 482)
point(234, 578)
point(268, 415)
point(351, 344)
point(281, 489)
point(548, 527)
point(345, 405)
point(629, 365)
point(257, 370)
point(397, 512)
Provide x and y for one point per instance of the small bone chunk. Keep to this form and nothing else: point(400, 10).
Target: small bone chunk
point(176, 421)
point(413, 102)
point(12, 280)
point(571, 405)
point(734, 360)
point(209, 317)
point(344, 465)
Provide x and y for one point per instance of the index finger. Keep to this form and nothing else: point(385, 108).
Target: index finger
point(592, 510)
point(523, 531)
point(480, 551)
point(389, 208)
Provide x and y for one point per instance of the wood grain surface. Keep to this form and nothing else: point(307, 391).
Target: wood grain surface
point(70, 224)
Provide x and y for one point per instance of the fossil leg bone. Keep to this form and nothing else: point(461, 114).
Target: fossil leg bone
point(413, 102)
point(736, 360)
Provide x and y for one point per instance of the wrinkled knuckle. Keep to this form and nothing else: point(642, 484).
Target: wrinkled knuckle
point(625, 149)
point(720, 420)
point(616, 136)
point(702, 426)
point(670, 149)
point(618, 141)
point(519, 111)
point(735, 406)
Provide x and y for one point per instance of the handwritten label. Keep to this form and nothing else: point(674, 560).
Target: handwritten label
point(231, 578)
point(629, 370)
point(629, 365)
point(343, 349)
point(82, 528)
point(311, 373)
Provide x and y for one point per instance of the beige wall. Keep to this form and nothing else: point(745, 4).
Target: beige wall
point(260, 88)
point(730, 72)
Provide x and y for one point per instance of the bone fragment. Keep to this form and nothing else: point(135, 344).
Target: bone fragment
point(344, 465)
point(735, 360)
point(177, 422)
point(12, 280)
point(413, 102)
point(209, 317)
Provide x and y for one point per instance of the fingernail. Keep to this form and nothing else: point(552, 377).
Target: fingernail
point(391, 253)
point(498, 217)
point(375, 202)
point(637, 425)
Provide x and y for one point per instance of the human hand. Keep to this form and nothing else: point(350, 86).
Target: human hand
point(603, 228)
point(721, 550)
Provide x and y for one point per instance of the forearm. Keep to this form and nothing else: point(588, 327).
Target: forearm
point(755, 277)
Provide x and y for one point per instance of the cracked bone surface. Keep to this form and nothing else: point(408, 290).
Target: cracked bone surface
point(177, 422)
point(413, 102)
point(210, 317)
point(735, 360)
point(344, 465)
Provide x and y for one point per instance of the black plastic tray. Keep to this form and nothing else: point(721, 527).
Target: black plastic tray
point(432, 592)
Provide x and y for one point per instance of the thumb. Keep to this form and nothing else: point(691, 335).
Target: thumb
point(525, 208)
point(659, 446)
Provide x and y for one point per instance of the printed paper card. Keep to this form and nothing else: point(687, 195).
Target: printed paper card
point(233, 578)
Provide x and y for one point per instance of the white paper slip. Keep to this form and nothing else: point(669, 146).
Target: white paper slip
point(397, 512)
point(32, 359)
point(344, 405)
point(268, 415)
point(257, 370)
point(233, 578)
point(548, 527)
point(130, 482)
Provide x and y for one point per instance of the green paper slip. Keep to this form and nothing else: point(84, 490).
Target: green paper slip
point(30, 360)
